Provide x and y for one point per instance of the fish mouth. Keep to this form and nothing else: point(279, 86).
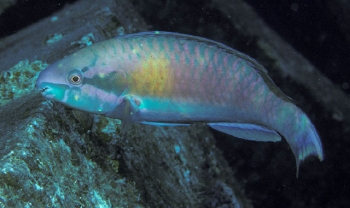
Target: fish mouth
point(54, 91)
point(46, 92)
point(43, 89)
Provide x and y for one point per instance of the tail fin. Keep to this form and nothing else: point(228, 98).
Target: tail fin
point(306, 142)
point(299, 132)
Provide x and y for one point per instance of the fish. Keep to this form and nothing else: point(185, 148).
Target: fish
point(167, 78)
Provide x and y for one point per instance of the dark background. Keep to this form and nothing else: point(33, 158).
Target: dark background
point(266, 170)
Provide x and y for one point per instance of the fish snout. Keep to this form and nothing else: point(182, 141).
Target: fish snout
point(43, 77)
point(51, 84)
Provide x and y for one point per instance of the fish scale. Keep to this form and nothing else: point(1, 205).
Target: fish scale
point(163, 78)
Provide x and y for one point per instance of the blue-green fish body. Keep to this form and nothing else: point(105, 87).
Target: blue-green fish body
point(166, 78)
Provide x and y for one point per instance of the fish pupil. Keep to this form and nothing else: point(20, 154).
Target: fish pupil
point(75, 79)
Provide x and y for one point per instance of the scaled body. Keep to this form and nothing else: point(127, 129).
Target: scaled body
point(169, 78)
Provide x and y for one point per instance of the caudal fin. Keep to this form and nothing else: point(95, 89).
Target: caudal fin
point(300, 134)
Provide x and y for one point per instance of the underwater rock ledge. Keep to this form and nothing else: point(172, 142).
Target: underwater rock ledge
point(42, 163)
point(174, 166)
point(49, 158)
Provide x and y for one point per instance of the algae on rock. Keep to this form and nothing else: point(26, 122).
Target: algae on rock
point(42, 162)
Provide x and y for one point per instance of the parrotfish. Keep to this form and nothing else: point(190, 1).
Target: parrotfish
point(165, 78)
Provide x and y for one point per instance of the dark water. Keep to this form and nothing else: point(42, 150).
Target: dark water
point(26, 12)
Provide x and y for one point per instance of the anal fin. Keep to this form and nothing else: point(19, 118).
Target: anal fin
point(163, 124)
point(245, 131)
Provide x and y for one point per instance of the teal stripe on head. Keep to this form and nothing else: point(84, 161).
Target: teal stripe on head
point(112, 82)
point(85, 69)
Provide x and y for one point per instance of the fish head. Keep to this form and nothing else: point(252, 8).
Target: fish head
point(82, 83)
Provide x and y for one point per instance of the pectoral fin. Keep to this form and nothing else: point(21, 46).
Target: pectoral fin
point(126, 109)
point(131, 107)
point(252, 132)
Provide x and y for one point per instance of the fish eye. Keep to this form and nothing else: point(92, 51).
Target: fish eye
point(75, 77)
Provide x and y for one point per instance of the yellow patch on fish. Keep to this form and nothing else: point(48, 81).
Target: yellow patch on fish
point(152, 77)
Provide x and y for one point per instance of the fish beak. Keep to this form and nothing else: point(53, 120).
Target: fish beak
point(41, 83)
point(43, 77)
point(51, 84)
point(45, 89)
